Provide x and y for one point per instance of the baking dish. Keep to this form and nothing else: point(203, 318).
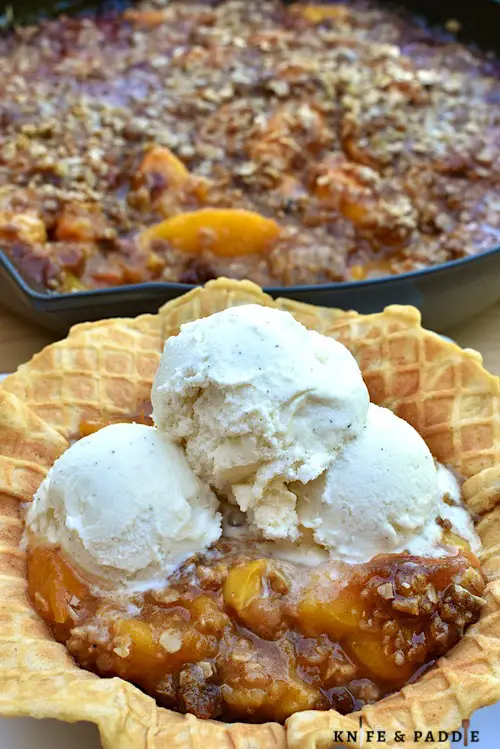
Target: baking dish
point(446, 294)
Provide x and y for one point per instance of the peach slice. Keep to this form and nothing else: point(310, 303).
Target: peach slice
point(226, 232)
point(208, 617)
point(340, 187)
point(146, 19)
point(325, 612)
point(53, 584)
point(141, 637)
point(294, 697)
point(368, 649)
point(244, 584)
point(320, 13)
point(80, 222)
point(161, 162)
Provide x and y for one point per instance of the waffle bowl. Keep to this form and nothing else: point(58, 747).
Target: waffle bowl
point(104, 370)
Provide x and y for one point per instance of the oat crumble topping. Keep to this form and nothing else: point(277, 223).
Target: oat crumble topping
point(371, 141)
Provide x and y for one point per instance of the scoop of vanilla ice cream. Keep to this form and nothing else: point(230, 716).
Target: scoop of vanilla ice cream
point(259, 401)
point(433, 541)
point(380, 495)
point(125, 507)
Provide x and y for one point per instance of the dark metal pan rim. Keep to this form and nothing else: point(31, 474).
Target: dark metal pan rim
point(79, 298)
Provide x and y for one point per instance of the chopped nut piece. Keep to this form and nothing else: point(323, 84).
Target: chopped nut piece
point(122, 650)
point(386, 591)
point(241, 656)
point(207, 669)
point(408, 605)
point(467, 597)
point(278, 581)
point(399, 657)
point(431, 594)
point(472, 580)
point(169, 595)
point(171, 641)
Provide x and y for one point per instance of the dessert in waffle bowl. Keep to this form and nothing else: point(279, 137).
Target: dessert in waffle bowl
point(272, 595)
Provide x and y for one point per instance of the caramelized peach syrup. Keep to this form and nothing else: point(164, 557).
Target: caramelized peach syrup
point(242, 638)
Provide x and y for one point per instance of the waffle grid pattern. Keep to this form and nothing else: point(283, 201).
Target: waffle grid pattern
point(105, 369)
point(442, 390)
point(101, 371)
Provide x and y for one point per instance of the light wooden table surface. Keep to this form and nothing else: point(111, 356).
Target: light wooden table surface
point(19, 340)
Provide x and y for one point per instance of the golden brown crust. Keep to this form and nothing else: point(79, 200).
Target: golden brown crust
point(104, 369)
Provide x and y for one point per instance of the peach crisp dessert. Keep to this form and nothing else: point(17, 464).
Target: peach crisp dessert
point(292, 143)
point(270, 542)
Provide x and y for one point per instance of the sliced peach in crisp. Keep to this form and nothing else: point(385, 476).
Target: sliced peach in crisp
point(157, 645)
point(338, 184)
point(368, 649)
point(53, 585)
point(255, 686)
point(209, 618)
point(146, 19)
point(321, 13)
point(330, 611)
point(141, 637)
point(293, 696)
point(256, 600)
point(80, 222)
point(90, 426)
point(195, 646)
point(160, 165)
point(226, 232)
point(164, 184)
point(244, 584)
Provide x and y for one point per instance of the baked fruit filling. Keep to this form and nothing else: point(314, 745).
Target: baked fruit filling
point(258, 540)
point(243, 638)
point(285, 142)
